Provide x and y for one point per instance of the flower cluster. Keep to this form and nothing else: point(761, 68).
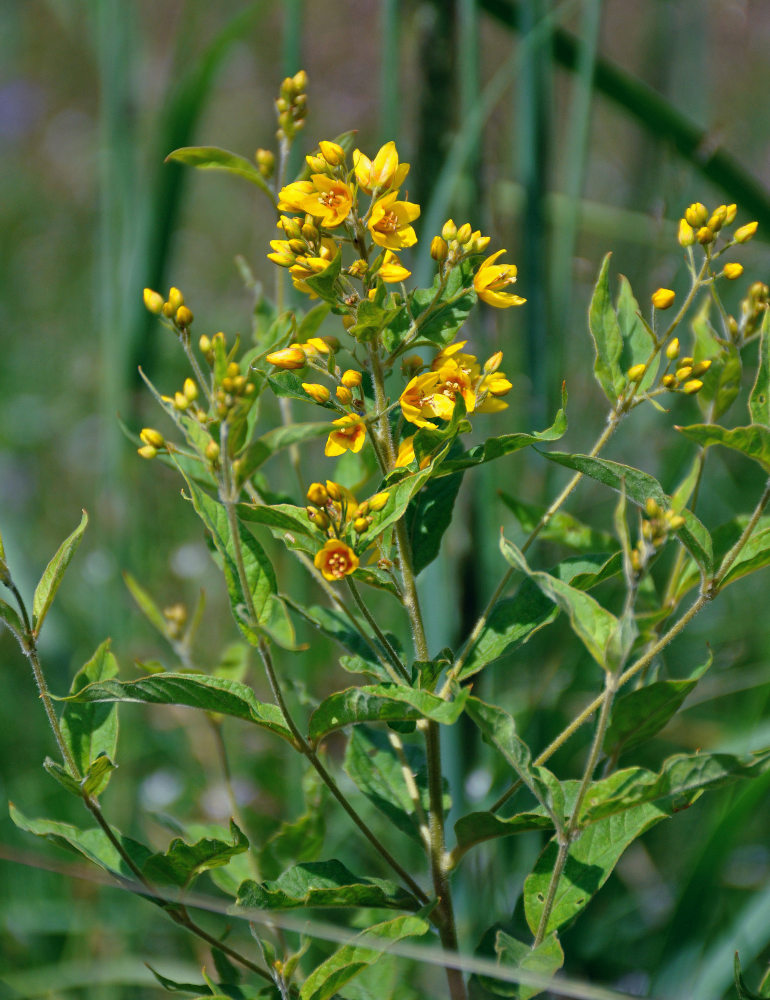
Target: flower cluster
point(334, 510)
point(656, 526)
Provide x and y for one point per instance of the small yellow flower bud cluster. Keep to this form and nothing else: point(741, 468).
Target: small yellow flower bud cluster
point(152, 442)
point(172, 308)
point(333, 510)
point(686, 377)
point(752, 311)
point(233, 392)
point(656, 525)
point(265, 160)
point(291, 106)
point(455, 244)
point(176, 619)
point(701, 226)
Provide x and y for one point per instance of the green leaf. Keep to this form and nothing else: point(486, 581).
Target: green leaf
point(682, 778)
point(638, 487)
point(93, 844)
point(323, 883)
point(381, 703)
point(498, 729)
point(337, 626)
point(438, 311)
point(428, 516)
point(638, 340)
point(544, 961)
point(181, 863)
point(759, 400)
point(754, 555)
point(324, 284)
point(62, 775)
point(259, 450)
point(53, 573)
point(752, 441)
point(146, 604)
point(212, 694)
point(476, 827)
point(329, 977)
point(214, 158)
point(90, 729)
point(562, 527)
point(743, 991)
point(722, 381)
point(298, 841)
point(269, 611)
point(11, 619)
point(597, 628)
point(373, 765)
point(639, 715)
point(514, 620)
point(97, 775)
point(605, 332)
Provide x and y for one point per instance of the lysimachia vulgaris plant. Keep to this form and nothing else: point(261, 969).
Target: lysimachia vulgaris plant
point(397, 385)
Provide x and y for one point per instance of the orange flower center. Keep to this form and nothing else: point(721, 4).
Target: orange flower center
point(388, 223)
point(330, 199)
point(338, 564)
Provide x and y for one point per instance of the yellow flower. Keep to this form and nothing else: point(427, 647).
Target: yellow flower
point(406, 455)
point(492, 280)
point(488, 389)
point(318, 393)
point(391, 269)
point(336, 559)
point(289, 357)
point(744, 233)
point(323, 197)
point(663, 298)
point(454, 380)
point(733, 270)
point(349, 437)
point(382, 172)
point(390, 221)
point(332, 152)
point(417, 399)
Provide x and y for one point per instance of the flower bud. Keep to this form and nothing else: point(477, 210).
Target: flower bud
point(190, 389)
point(668, 381)
point(299, 80)
point(212, 451)
point(744, 233)
point(717, 218)
point(319, 517)
point(730, 213)
point(360, 525)
point(317, 392)
point(289, 358)
point(464, 233)
point(183, 317)
point(147, 451)
point(663, 298)
point(733, 270)
point(672, 351)
point(651, 507)
point(683, 373)
point(334, 490)
point(351, 378)
point(693, 386)
point(316, 163)
point(701, 367)
point(152, 437)
point(318, 494)
point(696, 214)
point(439, 249)
point(153, 301)
point(265, 160)
point(344, 395)
point(686, 234)
point(492, 364)
point(175, 299)
point(378, 501)
point(704, 236)
point(204, 344)
point(181, 402)
point(449, 230)
point(332, 152)
point(310, 232)
point(675, 521)
point(636, 373)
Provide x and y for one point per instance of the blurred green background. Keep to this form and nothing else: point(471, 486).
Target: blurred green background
point(561, 129)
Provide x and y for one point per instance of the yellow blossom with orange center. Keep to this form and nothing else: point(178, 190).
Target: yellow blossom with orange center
point(417, 400)
point(325, 198)
point(492, 282)
point(454, 381)
point(336, 560)
point(390, 222)
point(383, 172)
point(349, 435)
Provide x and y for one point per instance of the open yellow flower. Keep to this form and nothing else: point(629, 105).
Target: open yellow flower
point(335, 560)
point(323, 197)
point(292, 197)
point(453, 381)
point(349, 436)
point(383, 172)
point(390, 221)
point(492, 281)
point(417, 400)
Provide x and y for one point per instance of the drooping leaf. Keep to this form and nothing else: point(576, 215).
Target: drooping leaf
point(53, 573)
point(213, 158)
point(181, 863)
point(476, 827)
point(544, 961)
point(597, 628)
point(499, 730)
point(289, 385)
point(323, 883)
point(90, 729)
point(605, 332)
point(639, 715)
point(428, 516)
point(381, 703)
point(212, 694)
point(759, 400)
point(93, 844)
point(561, 527)
point(514, 620)
point(752, 441)
point(639, 486)
point(638, 341)
point(351, 959)
point(754, 555)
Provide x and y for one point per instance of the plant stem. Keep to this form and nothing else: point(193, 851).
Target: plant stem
point(400, 673)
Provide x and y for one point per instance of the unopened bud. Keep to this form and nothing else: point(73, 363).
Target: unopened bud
point(319, 517)
point(317, 494)
point(334, 490)
point(147, 451)
point(378, 501)
point(449, 230)
point(744, 233)
point(733, 270)
point(300, 81)
point(181, 402)
point(651, 507)
point(492, 364)
point(316, 163)
point(344, 395)
point(317, 392)
point(190, 389)
point(351, 378)
point(686, 234)
point(663, 298)
point(704, 235)
point(265, 160)
point(183, 317)
point(439, 249)
point(204, 344)
point(152, 437)
point(464, 233)
point(289, 357)
point(668, 381)
point(332, 152)
point(175, 299)
point(683, 373)
point(153, 301)
point(730, 214)
point(672, 351)
point(360, 525)
point(212, 451)
point(701, 367)
point(696, 214)
point(636, 373)
point(693, 386)
point(717, 218)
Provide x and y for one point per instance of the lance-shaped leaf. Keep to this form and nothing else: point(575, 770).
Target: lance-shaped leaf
point(90, 729)
point(268, 611)
point(561, 527)
point(323, 883)
point(597, 628)
point(543, 961)
point(639, 715)
point(288, 385)
point(382, 703)
point(759, 400)
point(10, 617)
point(752, 441)
point(754, 555)
point(346, 963)
point(514, 620)
point(214, 158)
point(93, 844)
point(337, 626)
point(498, 729)
point(639, 486)
point(682, 778)
point(259, 450)
point(477, 827)
point(638, 339)
point(181, 863)
point(53, 573)
point(589, 863)
point(605, 332)
point(212, 694)
point(428, 516)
